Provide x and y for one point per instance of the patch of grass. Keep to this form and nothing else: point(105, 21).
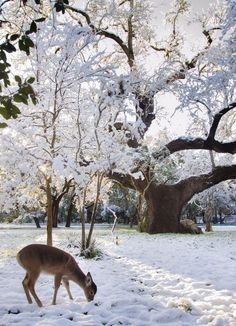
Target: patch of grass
point(92, 251)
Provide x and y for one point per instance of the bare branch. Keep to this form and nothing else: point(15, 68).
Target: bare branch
point(217, 119)
point(207, 34)
point(181, 144)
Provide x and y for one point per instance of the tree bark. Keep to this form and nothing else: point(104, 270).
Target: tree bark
point(49, 211)
point(69, 214)
point(55, 210)
point(94, 212)
point(36, 221)
point(82, 220)
point(165, 202)
point(164, 205)
point(56, 199)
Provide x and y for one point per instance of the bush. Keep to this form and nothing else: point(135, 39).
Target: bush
point(92, 251)
point(75, 247)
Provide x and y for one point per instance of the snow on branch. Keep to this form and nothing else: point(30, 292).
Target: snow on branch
point(190, 143)
point(217, 119)
point(197, 184)
point(102, 32)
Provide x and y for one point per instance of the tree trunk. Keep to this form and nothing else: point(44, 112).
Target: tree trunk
point(94, 212)
point(69, 214)
point(208, 215)
point(82, 220)
point(164, 206)
point(36, 221)
point(83, 234)
point(49, 212)
point(165, 202)
point(55, 210)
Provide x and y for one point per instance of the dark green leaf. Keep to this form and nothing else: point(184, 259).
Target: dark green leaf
point(14, 37)
point(28, 42)
point(3, 71)
point(3, 125)
point(3, 56)
point(19, 98)
point(22, 45)
point(31, 80)
point(6, 81)
point(18, 80)
point(3, 67)
point(13, 109)
point(34, 99)
point(33, 27)
point(5, 112)
point(26, 90)
point(59, 7)
point(9, 47)
point(40, 20)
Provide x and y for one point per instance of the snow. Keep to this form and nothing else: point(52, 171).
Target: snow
point(167, 279)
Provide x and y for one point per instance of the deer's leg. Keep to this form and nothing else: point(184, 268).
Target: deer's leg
point(31, 283)
point(57, 283)
point(26, 288)
point(67, 286)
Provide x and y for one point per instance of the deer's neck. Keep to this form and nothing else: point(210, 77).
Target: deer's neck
point(78, 277)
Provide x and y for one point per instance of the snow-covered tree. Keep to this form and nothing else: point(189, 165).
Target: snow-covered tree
point(107, 93)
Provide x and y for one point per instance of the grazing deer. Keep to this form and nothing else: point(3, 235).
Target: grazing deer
point(37, 258)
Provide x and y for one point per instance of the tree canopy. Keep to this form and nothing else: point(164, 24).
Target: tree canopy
point(90, 94)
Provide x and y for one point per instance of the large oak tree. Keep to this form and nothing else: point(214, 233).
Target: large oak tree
point(204, 79)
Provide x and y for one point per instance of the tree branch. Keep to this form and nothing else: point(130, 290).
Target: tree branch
point(182, 143)
point(127, 181)
point(216, 120)
point(190, 64)
point(102, 32)
point(197, 184)
point(3, 3)
point(185, 143)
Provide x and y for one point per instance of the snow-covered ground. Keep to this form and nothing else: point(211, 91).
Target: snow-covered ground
point(178, 280)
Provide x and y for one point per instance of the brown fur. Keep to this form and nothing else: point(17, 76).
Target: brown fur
point(38, 258)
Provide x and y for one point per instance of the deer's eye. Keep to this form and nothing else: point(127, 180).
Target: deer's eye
point(91, 293)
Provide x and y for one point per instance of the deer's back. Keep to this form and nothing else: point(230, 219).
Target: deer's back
point(46, 259)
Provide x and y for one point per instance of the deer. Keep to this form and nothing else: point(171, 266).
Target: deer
point(37, 258)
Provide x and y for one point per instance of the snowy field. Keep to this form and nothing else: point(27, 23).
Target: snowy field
point(178, 280)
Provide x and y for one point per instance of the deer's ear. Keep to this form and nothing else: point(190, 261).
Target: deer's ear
point(88, 279)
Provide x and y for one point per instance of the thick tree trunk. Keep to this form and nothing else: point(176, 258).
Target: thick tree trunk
point(165, 202)
point(164, 206)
